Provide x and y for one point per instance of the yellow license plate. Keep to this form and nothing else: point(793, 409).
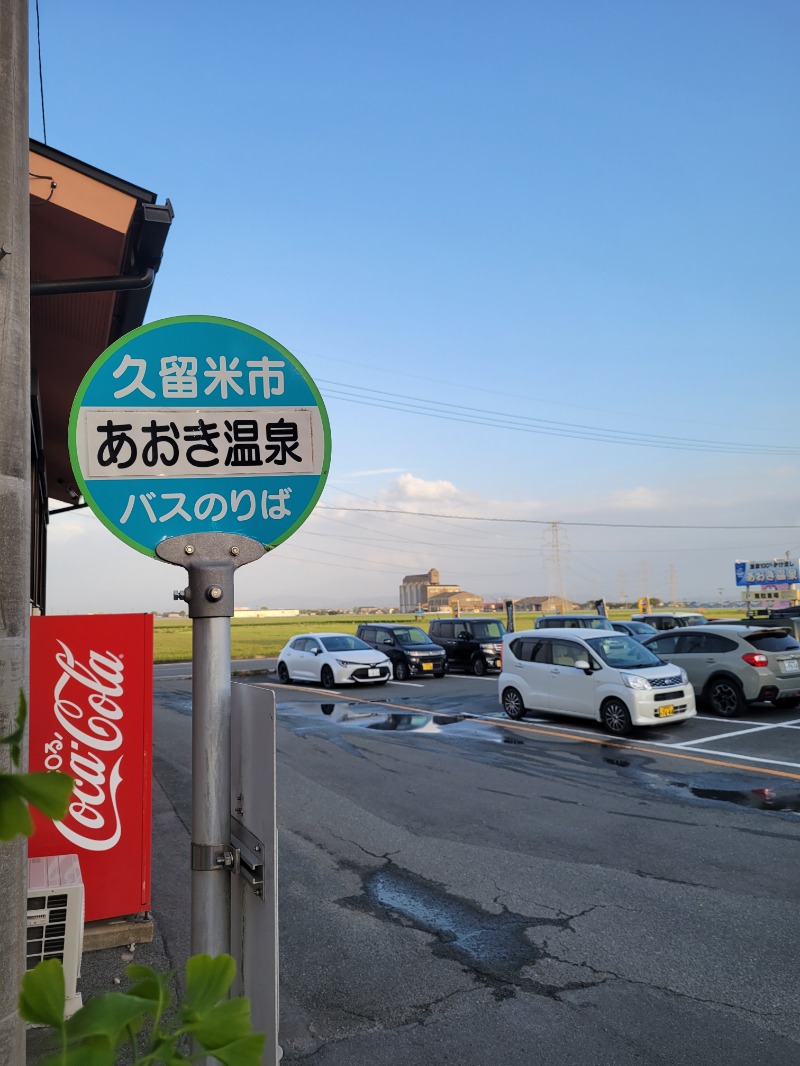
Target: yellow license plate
point(427, 666)
point(665, 712)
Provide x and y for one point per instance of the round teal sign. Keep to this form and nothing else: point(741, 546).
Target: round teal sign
point(195, 425)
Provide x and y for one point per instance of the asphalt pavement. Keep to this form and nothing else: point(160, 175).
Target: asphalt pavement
point(457, 888)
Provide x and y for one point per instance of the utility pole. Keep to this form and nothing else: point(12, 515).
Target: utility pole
point(673, 584)
point(554, 555)
point(15, 475)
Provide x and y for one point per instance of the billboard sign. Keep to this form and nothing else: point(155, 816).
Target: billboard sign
point(91, 707)
point(776, 572)
point(199, 424)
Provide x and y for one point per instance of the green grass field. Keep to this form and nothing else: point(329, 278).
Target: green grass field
point(254, 637)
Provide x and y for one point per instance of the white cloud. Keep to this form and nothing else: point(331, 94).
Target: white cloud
point(636, 499)
point(409, 489)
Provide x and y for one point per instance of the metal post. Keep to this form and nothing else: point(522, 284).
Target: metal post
point(211, 559)
point(211, 783)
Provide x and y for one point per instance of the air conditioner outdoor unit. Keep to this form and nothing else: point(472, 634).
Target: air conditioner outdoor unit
point(55, 918)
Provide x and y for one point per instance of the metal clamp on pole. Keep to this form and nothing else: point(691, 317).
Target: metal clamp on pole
point(251, 856)
point(207, 857)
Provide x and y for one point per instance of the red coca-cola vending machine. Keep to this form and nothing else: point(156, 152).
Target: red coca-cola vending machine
point(91, 712)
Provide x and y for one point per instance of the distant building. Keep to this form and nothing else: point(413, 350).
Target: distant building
point(247, 612)
point(418, 589)
point(465, 602)
point(544, 604)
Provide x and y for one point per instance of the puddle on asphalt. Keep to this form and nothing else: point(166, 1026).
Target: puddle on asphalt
point(175, 701)
point(494, 947)
point(740, 790)
point(370, 716)
point(763, 799)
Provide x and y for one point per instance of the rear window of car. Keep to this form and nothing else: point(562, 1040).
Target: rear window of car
point(487, 630)
point(773, 642)
point(664, 645)
point(344, 643)
point(528, 650)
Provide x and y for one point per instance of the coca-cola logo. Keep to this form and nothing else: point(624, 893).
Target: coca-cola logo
point(86, 706)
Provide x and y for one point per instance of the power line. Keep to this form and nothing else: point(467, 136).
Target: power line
point(441, 410)
point(540, 521)
point(41, 79)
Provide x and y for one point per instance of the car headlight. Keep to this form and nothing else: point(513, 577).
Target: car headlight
point(636, 681)
point(684, 678)
point(414, 654)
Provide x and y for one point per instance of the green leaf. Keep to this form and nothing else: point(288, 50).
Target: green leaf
point(207, 981)
point(107, 1016)
point(218, 1026)
point(15, 818)
point(48, 792)
point(248, 1051)
point(151, 986)
point(95, 1052)
point(42, 995)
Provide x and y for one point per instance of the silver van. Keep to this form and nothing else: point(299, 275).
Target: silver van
point(597, 674)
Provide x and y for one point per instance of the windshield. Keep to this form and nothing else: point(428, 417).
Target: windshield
point(622, 652)
point(412, 635)
point(642, 627)
point(341, 642)
point(487, 630)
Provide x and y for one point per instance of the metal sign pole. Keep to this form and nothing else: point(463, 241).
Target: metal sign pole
point(211, 755)
point(211, 560)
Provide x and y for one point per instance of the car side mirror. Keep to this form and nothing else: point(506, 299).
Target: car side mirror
point(583, 664)
point(318, 651)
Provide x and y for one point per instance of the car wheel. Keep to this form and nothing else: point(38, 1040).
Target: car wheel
point(616, 717)
point(725, 697)
point(788, 704)
point(401, 671)
point(513, 705)
point(326, 677)
point(283, 674)
point(479, 667)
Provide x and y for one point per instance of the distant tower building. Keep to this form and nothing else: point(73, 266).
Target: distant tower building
point(417, 589)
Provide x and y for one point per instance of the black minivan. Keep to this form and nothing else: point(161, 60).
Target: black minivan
point(408, 647)
point(474, 644)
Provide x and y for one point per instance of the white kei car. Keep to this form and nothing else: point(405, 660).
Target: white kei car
point(332, 659)
point(606, 676)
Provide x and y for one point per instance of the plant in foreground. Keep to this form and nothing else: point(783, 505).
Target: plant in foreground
point(108, 1023)
point(48, 792)
point(118, 1021)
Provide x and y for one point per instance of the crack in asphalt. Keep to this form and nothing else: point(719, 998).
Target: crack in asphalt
point(493, 948)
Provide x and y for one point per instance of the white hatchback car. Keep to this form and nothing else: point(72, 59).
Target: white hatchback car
point(332, 659)
point(607, 676)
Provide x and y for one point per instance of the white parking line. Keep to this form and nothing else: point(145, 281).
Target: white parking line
point(736, 733)
point(407, 684)
point(726, 754)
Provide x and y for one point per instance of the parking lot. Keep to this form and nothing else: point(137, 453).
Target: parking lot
point(450, 877)
point(765, 740)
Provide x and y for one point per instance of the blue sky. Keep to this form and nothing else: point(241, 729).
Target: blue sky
point(577, 213)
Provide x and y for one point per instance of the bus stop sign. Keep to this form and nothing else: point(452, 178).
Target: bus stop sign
point(199, 425)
